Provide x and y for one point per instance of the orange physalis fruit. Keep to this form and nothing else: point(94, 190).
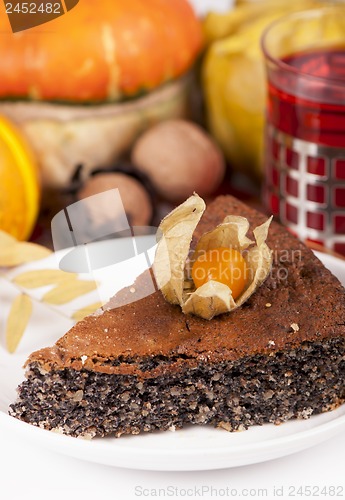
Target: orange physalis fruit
point(224, 265)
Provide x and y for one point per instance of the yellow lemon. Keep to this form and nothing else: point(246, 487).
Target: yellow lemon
point(19, 183)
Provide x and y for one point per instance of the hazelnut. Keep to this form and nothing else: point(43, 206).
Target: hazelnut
point(135, 199)
point(179, 157)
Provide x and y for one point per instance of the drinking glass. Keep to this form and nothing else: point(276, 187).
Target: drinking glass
point(305, 124)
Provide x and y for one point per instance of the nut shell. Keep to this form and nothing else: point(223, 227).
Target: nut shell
point(136, 200)
point(179, 158)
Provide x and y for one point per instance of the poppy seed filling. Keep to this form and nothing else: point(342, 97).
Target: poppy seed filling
point(234, 396)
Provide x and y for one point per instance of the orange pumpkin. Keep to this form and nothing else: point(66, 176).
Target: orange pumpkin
point(100, 50)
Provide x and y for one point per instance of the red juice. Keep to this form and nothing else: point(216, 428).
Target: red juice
point(307, 96)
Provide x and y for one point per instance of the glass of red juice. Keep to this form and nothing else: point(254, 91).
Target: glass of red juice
point(305, 124)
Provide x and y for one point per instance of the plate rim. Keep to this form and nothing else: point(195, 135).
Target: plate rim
point(220, 458)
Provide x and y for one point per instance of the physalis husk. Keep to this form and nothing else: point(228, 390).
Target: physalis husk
point(174, 259)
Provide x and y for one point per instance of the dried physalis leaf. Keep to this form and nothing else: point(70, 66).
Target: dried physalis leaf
point(7, 244)
point(6, 239)
point(259, 261)
point(22, 252)
point(17, 321)
point(209, 300)
point(86, 311)
point(173, 248)
point(68, 290)
point(43, 277)
point(231, 233)
point(215, 294)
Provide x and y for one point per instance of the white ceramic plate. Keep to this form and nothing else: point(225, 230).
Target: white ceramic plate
point(193, 448)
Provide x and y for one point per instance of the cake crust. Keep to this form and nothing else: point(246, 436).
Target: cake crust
point(301, 301)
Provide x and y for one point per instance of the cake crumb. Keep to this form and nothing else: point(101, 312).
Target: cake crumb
point(83, 359)
point(225, 425)
point(295, 327)
point(172, 428)
point(132, 289)
point(105, 330)
point(78, 396)
point(271, 343)
point(57, 430)
point(268, 304)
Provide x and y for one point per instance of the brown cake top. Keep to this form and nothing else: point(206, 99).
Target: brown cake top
point(301, 301)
